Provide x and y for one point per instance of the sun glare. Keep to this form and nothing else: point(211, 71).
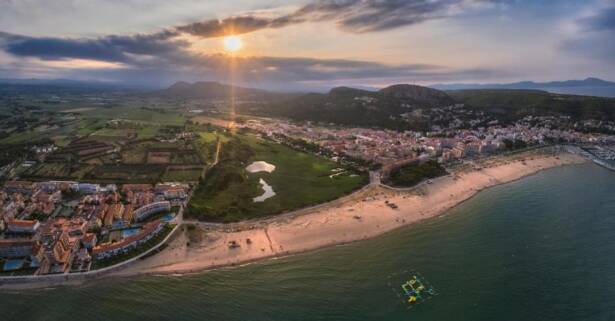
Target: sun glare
point(232, 43)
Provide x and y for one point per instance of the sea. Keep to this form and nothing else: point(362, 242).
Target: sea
point(540, 248)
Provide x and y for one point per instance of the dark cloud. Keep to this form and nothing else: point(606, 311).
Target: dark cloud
point(218, 28)
point(357, 16)
point(109, 48)
point(604, 20)
point(595, 41)
point(373, 15)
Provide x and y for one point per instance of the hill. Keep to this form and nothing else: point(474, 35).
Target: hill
point(390, 107)
point(511, 104)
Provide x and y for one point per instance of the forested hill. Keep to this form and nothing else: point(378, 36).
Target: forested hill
point(401, 106)
point(512, 104)
point(389, 107)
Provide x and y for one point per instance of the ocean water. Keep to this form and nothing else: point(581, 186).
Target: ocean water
point(542, 248)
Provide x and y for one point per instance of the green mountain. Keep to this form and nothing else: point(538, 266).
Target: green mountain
point(512, 104)
point(390, 107)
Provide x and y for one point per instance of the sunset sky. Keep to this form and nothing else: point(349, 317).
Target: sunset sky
point(308, 44)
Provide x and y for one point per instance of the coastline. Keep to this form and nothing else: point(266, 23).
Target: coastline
point(364, 216)
point(359, 216)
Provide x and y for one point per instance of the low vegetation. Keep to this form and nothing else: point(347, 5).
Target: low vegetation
point(299, 180)
point(414, 173)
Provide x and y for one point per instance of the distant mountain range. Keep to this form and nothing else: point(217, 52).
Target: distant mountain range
point(216, 90)
point(587, 87)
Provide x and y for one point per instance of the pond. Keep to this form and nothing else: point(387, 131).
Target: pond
point(268, 192)
point(260, 166)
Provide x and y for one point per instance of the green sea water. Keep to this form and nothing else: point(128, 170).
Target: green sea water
point(541, 248)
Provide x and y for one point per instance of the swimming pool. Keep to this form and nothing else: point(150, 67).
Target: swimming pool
point(130, 232)
point(168, 217)
point(11, 265)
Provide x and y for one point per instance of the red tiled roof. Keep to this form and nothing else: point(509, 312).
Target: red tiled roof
point(15, 242)
point(23, 223)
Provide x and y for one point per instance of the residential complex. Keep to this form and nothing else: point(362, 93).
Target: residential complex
point(61, 227)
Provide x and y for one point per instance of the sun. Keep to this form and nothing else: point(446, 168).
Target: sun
point(232, 43)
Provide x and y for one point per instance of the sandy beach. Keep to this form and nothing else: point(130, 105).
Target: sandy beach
point(364, 215)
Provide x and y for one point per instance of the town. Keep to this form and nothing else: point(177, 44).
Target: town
point(63, 227)
point(448, 145)
point(59, 226)
point(112, 188)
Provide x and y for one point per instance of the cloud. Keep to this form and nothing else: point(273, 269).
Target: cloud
point(595, 38)
point(604, 20)
point(233, 25)
point(372, 15)
point(355, 16)
point(177, 63)
point(124, 49)
point(163, 57)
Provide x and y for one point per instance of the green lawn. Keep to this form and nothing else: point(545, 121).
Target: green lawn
point(211, 137)
point(299, 180)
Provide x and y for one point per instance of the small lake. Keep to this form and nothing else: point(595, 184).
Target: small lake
point(260, 166)
point(267, 194)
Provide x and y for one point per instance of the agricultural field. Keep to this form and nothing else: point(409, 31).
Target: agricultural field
point(139, 114)
point(57, 171)
point(122, 174)
point(110, 143)
point(299, 180)
point(182, 173)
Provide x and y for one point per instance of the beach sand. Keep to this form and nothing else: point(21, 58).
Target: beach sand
point(362, 216)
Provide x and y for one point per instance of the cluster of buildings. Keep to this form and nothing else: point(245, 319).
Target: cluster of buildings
point(60, 226)
point(386, 147)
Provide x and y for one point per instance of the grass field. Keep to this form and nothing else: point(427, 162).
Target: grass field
point(299, 180)
point(211, 137)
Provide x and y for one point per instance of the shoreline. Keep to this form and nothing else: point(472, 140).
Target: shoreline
point(365, 217)
point(362, 215)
